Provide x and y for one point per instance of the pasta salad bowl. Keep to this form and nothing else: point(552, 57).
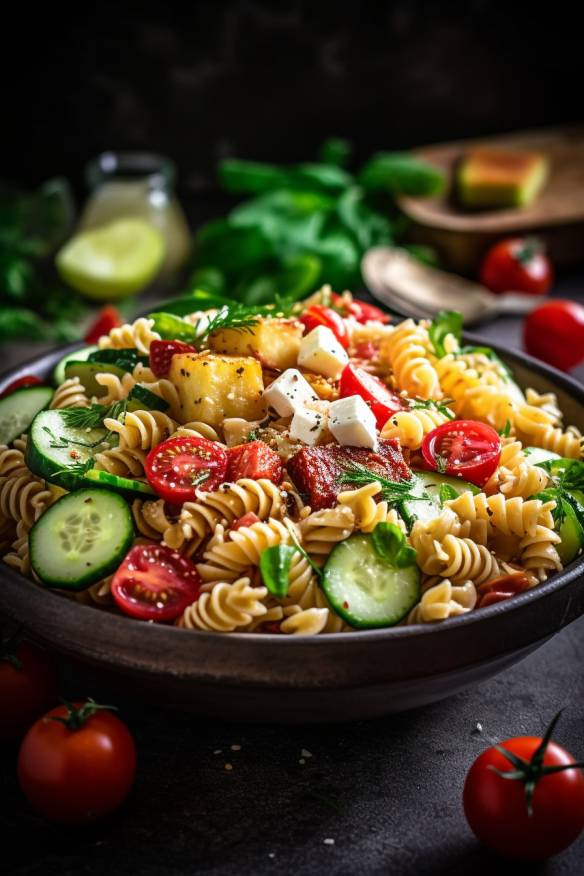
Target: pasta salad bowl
point(333, 677)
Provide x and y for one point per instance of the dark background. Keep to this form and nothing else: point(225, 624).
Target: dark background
point(201, 80)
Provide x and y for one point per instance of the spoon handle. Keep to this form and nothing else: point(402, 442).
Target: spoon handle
point(516, 304)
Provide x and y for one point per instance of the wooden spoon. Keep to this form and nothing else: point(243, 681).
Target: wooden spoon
point(410, 287)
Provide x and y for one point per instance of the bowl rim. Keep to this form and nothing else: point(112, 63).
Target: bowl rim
point(556, 582)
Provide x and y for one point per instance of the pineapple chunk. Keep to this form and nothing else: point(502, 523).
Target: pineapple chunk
point(213, 387)
point(274, 342)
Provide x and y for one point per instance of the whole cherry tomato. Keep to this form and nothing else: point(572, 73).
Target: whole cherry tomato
point(21, 383)
point(155, 583)
point(107, 319)
point(318, 314)
point(554, 332)
point(77, 763)
point(517, 264)
point(525, 797)
point(464, 449)
point(28, 686)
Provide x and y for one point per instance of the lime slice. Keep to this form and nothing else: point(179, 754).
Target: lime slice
point(112, 261)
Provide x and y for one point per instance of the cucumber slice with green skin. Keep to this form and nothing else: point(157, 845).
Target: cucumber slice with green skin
point(125, 354)
point(140, 398)
point(86, 372)
point(537, 455)
point(54, 449)
point(427, 485)
point(571, 533)
point(364, 589)
point(18, 410)
point(126, 486)
point(77, 355)
point(81, 538)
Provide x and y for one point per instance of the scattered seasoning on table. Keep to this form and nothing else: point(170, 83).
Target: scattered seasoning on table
point(305, 753)
point(329, 841)
point(236, 748)
point(228, 767)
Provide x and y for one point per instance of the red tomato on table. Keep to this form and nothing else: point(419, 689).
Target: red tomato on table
point(497, 808)
point(77, 763)
point(155, 583)
point(317, 315)
point(517, 264)
point(177, 467)
point(383, 402)
point(28, 687)
point(254, 460)
point(554, 332)
point(463, 448)
point(107, 319)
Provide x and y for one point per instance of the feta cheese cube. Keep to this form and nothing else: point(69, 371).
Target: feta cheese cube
point(288, 392)
point(308, 426)
point(352, 422)
point(321, 352)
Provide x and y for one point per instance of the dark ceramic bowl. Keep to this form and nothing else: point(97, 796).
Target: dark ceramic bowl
point(293, 679)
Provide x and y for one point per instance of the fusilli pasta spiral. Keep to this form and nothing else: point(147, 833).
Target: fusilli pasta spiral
point(138, 334)
point(406, 347)
point(411, 427)
point(443, 600)
point(141, 429)
point(366, 511)
point(70, 394)
point(322, 530)
point(225, 608)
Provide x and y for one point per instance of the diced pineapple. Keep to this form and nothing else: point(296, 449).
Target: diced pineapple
point(274, 342)
point(212, 387)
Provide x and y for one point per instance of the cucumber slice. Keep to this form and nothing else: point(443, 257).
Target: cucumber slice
point(365, 590)
point(126, 486)
point(18, 410)
point(427, 485)
point(77, 355)
point(86, 372)
point(571, 533)
point(537, 455)
point(80, 539)
point(54, 449)
point(126, 354)
point(140, 398)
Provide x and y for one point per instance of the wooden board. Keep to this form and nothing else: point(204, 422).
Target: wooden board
point(557, 214)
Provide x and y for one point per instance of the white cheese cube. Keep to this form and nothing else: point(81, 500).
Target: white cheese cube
point(321, 352)
point(308, 426)
point(352, 422)
point(288, 392)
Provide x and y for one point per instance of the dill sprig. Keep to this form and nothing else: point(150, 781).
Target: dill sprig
point(431, 404)
point(357, 475)
point(236, 317)
point(93, 416)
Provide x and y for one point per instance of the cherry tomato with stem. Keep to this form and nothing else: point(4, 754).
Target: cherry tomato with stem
point(178, 466)
point(463, 448)
point(77, 763)
point(524, 798)
point(318, 315)
point(155, 583)
point(554, 332)
point(107, 319)
point(28, 686)
point(517, 264)
point(21, 383)
point(383, 402)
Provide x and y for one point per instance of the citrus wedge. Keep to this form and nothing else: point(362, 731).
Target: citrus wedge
point(112, 261)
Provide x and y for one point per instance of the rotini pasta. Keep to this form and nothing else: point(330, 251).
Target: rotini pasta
point(70, 394)
point(141, 429)
point(225, 608)
point(138, 334)
point(442, 600)
point(407, 350)
point(366, 511)
point(23, 497)
point(322, 530)
point(411, 427)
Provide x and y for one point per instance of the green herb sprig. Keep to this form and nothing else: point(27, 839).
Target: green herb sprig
point(430, 404)
point(93, 416)
point(446, 322)
point(356, 475)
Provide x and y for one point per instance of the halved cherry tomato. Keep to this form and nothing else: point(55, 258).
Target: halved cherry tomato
point(320, 315)
point(361, 311)
point(497, 798)
point(383, 402)
point(463, 448)
point(365, 350)
point(20, 383)
point(554, 332)
point(177, 467)
point(502, 588)
point(517, 264)
point(247, 520)
point(28, 687)
point(161, 353)
point(254, 460)
point(107, 319)
point(155, 583)
point(77, 763)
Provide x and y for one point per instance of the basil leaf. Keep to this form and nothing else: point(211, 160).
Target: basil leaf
point(275, 563)
point(401, 174)
point(250, 177)
point(446, 322)
point(173, 328)
point(390, 544)
point(446, 493)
